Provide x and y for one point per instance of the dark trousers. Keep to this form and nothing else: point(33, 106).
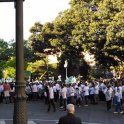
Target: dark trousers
point(51, 102)
point(86, 100)
point(1, 97)
point(7, 99)
point(108, 103)
point(96, 98)
point(12, 94)
point(64, 103)
point(78, 101)
point(46, 100)
point(29, 96)
point(60, 101)
point(118, 107)
point(72, 99)
point(92, 99)
point(101, 96)
point(35, 95)
point(55, 95)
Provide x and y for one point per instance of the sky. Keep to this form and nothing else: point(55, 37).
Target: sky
point(34, 11)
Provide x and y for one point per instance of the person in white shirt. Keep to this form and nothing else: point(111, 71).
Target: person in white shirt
point(78, 97)
point(86, 94)
point(96, 92)
point(72, 91)
point(118, 108)
point(34, 91)
point(39, 87)
point(51, 98)
point(102, 87)
point(57, 91)
point(46, 93)
point(91, 90)
point(64, 96)
point(120, 89)
point(82, 92)
point(60, 97)
point(40, 90)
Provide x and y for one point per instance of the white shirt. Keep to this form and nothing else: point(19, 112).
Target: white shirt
point(71, 91)
point(86, 90)
point(96, 89)
point(54, 88)
point(40, 86)
point(1, 88)
point(102, 87)
point(28, 89)
point(111, 91)
point(64, 93)
point(34, 88)
point(91, 90)
point(57, 87)
point(108, 95)
point(118, 95)
point(80, 89)
point(51, 94)
point(120, 88)
point(76, 86)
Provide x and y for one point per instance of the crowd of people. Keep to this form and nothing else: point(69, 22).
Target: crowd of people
point(79, 94)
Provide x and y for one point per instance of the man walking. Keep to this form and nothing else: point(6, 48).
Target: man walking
point(70, 118)
point(51, 98)
point(64, 96)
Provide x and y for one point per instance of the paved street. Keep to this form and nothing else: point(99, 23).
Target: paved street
point(37, 114)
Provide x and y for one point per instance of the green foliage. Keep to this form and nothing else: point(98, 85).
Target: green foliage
point(89, 25)
point(40, 67)
point(10, 72)
point(11, 62)
point(8, 67)
point(4, 50)
point(7, 57)
point(36, 66)
point(2, 66)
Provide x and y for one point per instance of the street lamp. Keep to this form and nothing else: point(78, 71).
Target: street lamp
point(65, 66)
point(20, 109)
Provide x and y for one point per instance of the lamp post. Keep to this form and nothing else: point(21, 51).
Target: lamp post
point(66, 65)
point(20, 109)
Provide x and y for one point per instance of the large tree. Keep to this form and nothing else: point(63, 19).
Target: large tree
point(89, 25)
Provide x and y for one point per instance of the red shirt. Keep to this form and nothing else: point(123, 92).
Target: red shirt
point(6, 87)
